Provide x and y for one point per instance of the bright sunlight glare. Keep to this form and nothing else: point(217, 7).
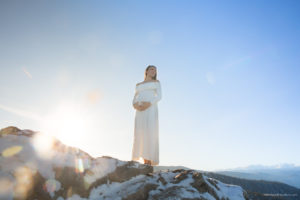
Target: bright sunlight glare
point(68, 122)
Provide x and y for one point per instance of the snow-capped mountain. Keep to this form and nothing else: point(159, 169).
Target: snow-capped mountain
point(37, 166)
point(285, 173)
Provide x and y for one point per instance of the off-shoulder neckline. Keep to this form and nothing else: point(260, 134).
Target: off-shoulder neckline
point(147, 82)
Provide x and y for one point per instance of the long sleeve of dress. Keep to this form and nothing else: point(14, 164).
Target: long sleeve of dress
point(158, 94)
point(135, 96)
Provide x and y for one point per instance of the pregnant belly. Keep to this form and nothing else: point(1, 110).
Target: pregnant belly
point(145, 97)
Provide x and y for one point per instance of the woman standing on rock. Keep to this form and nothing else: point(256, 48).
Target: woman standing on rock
point(147, 94)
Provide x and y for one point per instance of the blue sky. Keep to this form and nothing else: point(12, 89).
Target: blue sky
point(229, 72)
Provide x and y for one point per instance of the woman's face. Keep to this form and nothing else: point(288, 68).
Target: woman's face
point(151, 72)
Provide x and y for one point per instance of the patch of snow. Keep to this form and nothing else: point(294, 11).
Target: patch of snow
point(76, 197)
point(115, 190)
point(136, 165)
point(52, 186)
point(235, 192)
point(226, 190)
point(100, 168)
point(185, 190)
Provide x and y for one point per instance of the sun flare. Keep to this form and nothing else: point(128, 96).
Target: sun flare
point(68, 123)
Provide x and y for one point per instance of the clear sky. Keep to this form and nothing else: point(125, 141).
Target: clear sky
point(229, 72)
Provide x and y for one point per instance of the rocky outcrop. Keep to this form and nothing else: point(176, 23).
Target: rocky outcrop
point(60, 172)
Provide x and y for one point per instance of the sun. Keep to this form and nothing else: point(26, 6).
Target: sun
point(68, 122)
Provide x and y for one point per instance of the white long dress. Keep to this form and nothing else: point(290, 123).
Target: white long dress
point(146, 131)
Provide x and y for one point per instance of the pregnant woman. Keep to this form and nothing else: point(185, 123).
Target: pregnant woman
point(146, 142)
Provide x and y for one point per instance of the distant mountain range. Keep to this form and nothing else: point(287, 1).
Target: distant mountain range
point(285, 173)
point(260, 189)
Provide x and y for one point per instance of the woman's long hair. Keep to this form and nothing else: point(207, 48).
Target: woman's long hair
point(153, 78)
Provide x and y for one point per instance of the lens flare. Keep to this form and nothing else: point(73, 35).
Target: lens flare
point(6, 187)
point(94, 96)
point(24, 182)
point(8, 152)
point(79, 165)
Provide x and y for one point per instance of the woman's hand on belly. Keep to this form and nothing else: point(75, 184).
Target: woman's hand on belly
point(144, 105)
point(137, 106)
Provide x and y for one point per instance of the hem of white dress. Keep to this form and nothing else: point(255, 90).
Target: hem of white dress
point(138, 160)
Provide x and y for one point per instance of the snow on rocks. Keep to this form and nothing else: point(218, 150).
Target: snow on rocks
point(60, 172)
